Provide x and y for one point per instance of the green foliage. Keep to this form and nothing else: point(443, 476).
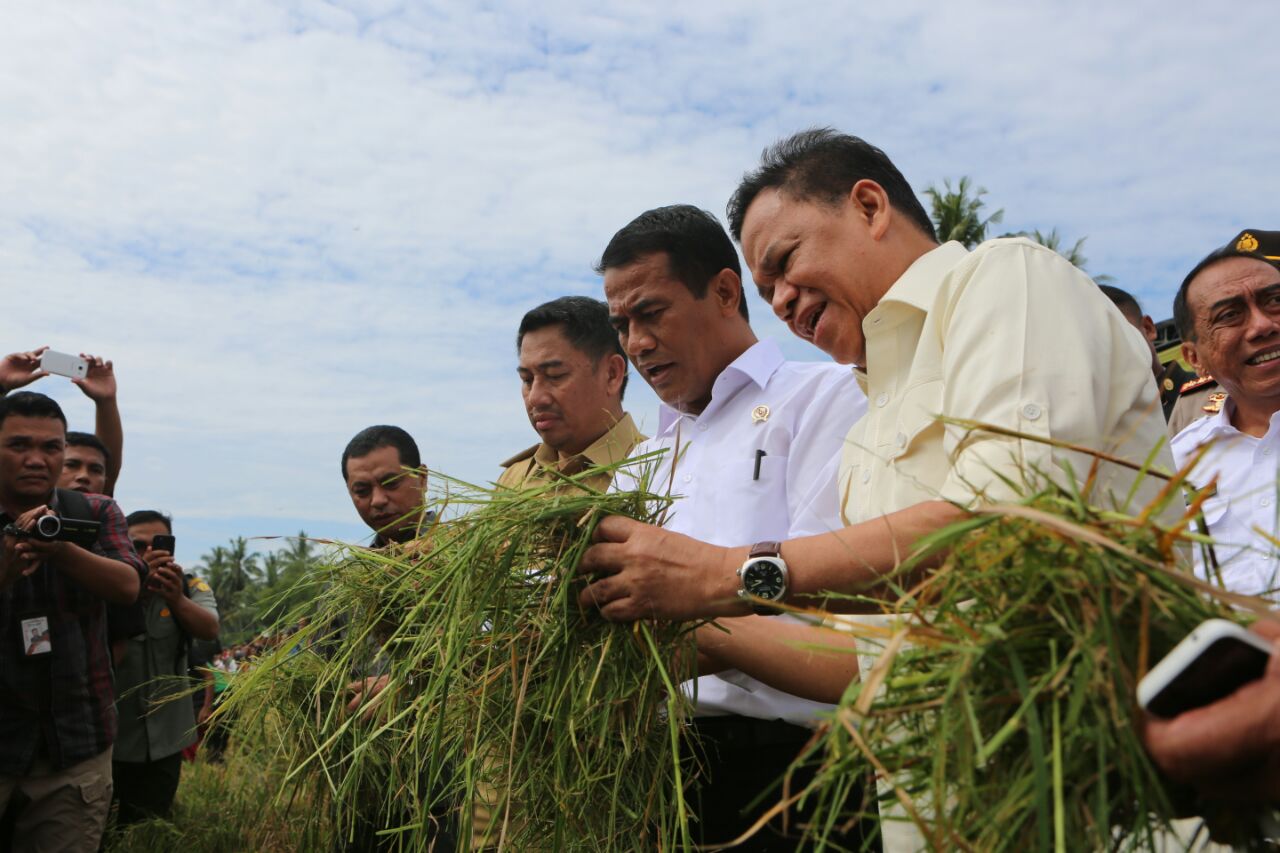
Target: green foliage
point(499, 692)
point(228, 808)
point(1008, 720)
point(957, 214)
point(253, 589)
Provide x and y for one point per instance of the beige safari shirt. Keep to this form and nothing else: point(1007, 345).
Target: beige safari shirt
point(1010, 334)
point(152, 724)
point(534, 466)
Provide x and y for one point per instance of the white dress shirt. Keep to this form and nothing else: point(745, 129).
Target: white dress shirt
point(1245, 500)
point(798, 414)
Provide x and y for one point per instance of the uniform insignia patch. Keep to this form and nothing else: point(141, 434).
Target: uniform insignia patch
point(1198, 382)
point(760, 414)
point(1213, 404)
point(1247, 243)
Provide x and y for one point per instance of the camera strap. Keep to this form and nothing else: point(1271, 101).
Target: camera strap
point(72, 504)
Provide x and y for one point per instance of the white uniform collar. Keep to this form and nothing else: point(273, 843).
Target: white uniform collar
point(757, 364)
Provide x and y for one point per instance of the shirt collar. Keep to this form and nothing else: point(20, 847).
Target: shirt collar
point(609, 449)
point(917, 286)
point(758, 364)
point(1219, 423)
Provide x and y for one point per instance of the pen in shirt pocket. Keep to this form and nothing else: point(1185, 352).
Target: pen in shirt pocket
point(760, 454)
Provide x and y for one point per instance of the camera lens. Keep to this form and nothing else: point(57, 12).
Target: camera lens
point(48, 526)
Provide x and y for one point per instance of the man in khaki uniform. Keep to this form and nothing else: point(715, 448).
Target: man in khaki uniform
point(572, 376)
point(154, 728)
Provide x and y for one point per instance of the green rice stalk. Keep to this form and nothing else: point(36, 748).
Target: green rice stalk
point(499, 689)
point(1008, 719)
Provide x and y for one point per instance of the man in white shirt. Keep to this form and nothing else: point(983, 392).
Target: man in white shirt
point(1228, 313)
point(753, 445)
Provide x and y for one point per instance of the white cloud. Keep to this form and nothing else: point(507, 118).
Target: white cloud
point(287, 221)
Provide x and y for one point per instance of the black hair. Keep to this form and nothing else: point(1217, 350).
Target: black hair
point(88, 439)
point(29, 404)
point(583, 321)
point(146, 516)
point(1122, 299)
point(824, 164)
point(372, 438)
point(694, 241)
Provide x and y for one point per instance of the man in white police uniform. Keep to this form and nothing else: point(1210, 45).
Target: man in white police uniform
point(1228, 313)
point(755, 442)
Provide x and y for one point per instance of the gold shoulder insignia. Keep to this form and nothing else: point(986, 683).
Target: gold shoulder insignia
point(1247, 243)
point(1198, 382)
point(1213, 404)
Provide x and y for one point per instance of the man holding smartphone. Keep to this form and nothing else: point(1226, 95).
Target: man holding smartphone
point(154, 726)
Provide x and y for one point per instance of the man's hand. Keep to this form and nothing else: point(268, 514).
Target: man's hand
point(645, 572)
point(99, 383)
point(1229, 750)
point(367, 692)
point(24, 554)
point(164, 577)
point(21, 368)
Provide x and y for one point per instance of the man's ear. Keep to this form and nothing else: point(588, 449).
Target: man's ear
point(726, 287)
point(1191, 354)
point(871, 204)
point(1149, 327)
point(615, 372)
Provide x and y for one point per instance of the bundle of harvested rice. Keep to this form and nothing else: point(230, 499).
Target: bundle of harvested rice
point(1001, 708)
point(501, 696)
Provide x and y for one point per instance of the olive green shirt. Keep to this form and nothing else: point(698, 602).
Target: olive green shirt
point(155, 667)
point(535, 465)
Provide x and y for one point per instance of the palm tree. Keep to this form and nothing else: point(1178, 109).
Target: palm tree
point(957, 214)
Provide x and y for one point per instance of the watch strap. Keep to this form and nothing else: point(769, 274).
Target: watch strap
point(765, 549)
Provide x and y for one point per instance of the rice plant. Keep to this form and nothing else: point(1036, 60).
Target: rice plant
point(499, 696)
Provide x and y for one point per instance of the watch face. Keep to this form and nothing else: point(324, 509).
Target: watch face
point(764, 579)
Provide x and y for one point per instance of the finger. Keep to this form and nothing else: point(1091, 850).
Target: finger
point(621, 610)
point(602, 592)
point(615, 528)
point(1268, 628)
point(1273, 665)
point(603, 558)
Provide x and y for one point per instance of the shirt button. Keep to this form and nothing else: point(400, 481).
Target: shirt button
point(902, 439)
point(882, 399)
point(1265, 501)
point(866, 476)
point(688, 478)
point(702, 427)
point(1266, 451)
point(1031, 411)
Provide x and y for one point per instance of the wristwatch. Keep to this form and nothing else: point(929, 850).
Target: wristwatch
point(763, 575)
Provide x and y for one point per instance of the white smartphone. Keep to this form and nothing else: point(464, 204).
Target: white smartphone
point(63, 364)
point(1210, 663)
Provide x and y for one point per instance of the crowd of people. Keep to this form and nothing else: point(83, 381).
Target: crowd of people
point(795, 480)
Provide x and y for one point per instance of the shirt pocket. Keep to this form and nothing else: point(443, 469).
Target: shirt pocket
point(917, 419)
point(752, 506)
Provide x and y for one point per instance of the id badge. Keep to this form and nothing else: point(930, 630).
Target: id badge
point(35, 636)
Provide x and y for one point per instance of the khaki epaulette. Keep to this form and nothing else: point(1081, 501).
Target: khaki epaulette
point(519, 457)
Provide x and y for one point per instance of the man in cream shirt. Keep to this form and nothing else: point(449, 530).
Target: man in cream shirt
point(1009, 335)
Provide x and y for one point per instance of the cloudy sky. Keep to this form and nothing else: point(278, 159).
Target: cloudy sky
point(286, 221)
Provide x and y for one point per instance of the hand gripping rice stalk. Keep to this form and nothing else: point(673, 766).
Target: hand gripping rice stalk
point(1002, 705)
point(499, 689)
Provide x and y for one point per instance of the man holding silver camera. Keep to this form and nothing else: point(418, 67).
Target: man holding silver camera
point(57, 701)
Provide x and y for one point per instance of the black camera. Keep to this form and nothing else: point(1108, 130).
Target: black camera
point(55, 528)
